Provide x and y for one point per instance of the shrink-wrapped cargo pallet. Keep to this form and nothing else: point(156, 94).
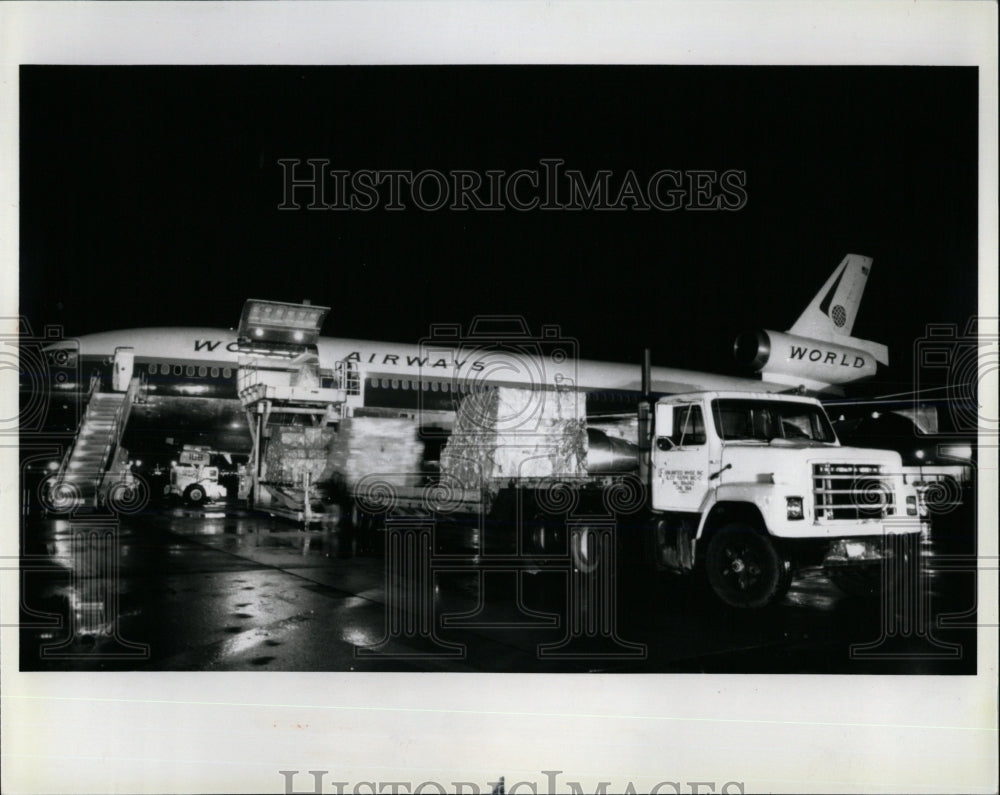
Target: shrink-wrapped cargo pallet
point(294, 450)
point(381, 448)
point(510, 432)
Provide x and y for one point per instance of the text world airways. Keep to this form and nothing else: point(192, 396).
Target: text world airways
point(211, 346)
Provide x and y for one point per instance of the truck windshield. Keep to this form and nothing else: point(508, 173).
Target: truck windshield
point(765, 420)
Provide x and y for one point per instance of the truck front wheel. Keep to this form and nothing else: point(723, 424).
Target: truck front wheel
point(744, 569)
point(195, 494)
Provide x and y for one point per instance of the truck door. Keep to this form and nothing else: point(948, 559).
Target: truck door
point(680, 458)
point(122, 372)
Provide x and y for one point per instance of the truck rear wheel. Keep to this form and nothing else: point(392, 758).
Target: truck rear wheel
point(544, 537)
point(585, 549)
point(744, 569)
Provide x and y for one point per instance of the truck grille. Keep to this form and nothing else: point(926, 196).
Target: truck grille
point(851, 492)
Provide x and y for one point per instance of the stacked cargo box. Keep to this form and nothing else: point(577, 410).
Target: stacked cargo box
point(382, 448)
point(294, 450)
point(509, 432)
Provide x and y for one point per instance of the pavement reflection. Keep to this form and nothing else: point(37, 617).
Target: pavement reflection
point(228, 590)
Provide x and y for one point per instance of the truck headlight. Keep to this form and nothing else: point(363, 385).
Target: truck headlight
point(793, 507)
point(911, 505)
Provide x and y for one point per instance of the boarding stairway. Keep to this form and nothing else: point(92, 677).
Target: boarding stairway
point(82, 478)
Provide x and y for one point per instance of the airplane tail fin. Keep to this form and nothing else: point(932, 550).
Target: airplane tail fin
point(831, 314)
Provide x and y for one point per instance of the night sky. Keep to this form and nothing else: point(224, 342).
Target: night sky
point(149, 197)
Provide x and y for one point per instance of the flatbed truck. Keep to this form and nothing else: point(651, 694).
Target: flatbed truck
point(743, 489)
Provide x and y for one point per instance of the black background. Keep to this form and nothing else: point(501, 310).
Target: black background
point(149, 197)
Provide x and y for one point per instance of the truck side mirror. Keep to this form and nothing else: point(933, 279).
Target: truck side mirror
point(664, 420)
point(663, 444)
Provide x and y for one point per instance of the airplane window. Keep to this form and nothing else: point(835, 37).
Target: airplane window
point(445, 387)
point(215, 372)
point(424, 385)
point(178, 369)
point(434, 386)
point(202, 371)
point(395, 383)
point(189, 370)
point(227, 373)
point(385, 383)
point(153, 369)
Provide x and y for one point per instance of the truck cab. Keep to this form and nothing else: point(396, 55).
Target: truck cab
point(756, 485)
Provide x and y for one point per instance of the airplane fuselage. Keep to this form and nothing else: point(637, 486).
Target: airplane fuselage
point(204, 362)
point(193, 376)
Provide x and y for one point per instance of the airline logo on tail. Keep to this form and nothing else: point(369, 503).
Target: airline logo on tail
point(831, 315)
point(818, 351)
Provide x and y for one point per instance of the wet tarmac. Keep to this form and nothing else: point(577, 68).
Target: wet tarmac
point(221, 589)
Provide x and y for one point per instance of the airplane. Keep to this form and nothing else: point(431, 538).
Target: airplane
point(190, 376)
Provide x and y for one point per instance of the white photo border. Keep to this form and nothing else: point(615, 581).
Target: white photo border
point(199, 732)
